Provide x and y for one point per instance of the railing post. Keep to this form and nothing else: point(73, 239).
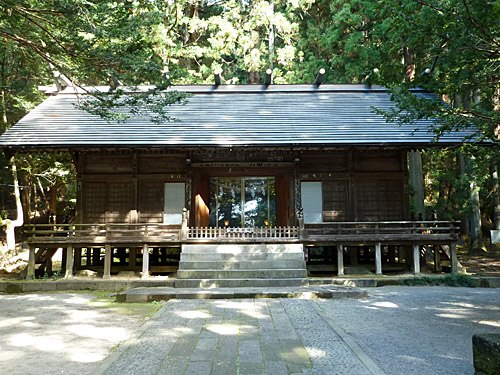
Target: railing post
point(31, 263)
point(145, 262)
point(340, 260)
point(416, 259)
point(184, 227)
point(437, 259)
point(69, 262)
point(378, 259)
point(107, 262)
point(302, 231)
point(454, 260)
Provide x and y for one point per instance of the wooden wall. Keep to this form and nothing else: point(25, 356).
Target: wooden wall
point(125, 186)
point(128, 186)
point(360, 185)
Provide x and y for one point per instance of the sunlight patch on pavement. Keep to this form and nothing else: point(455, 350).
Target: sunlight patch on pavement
point(385, 304)
point(15, 321)
point(84, 356)
point(101, 333)
point(76, 300)
point(315, 352)
point(190, 314)
point(42, 343)
point(461, 304)
point(223, 329)
point(235, 305)
point(184, 330)
point(451, 316)
point(83, 315)
point(492, 323)
point(10, 355)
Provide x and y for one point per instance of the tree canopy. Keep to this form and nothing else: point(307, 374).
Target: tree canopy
point(451, 47)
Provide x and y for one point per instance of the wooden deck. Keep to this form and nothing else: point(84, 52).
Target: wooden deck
point(75, 237)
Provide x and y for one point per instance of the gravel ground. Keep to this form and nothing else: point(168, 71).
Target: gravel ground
point(404, 330)
point(419, 330)
point(57, 333)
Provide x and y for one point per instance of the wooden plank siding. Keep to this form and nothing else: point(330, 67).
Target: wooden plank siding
point(357, 185)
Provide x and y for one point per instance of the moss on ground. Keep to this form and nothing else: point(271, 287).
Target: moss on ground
point(456, 280)
point(106, 300)
point(137, 310)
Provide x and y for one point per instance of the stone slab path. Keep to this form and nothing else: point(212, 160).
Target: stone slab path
point(239, 336)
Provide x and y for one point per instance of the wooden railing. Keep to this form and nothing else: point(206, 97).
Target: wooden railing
point(327, 231)
point(102, 232)
point(243, 233)
point(382, 229)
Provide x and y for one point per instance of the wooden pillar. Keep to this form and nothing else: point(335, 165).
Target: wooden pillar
point(437, 259)
point(63, 261)
point(78, 258)
point(132, 257)
point(416, 259)
point(392, 254)
point(378, 259)
point(401, 254)
point(48, 261)
point(96, 256)
point(31, 263)
point(417, 183)
point(145, 262)
point(353, 255)
point(69, 262)
point(454, 260)
point(107, 262)
point(340, 260)
point(302, 231)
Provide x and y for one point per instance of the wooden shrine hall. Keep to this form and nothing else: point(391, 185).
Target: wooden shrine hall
point(246, 165)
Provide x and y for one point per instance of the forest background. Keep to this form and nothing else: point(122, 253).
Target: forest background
point(450, 47)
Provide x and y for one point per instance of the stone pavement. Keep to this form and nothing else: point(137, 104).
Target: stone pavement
point(239, 336)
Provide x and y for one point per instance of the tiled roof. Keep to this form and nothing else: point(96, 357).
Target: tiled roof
point(243, 115)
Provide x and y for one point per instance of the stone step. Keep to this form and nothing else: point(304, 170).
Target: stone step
point(243, 248)
point(239, 283)
point(239, 264)
point(242, 274)
point(141, 295)
point(203, 257)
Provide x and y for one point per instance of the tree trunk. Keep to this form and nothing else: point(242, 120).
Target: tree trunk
point(3, 108)
point(254, 77)
point(26, 199)
point(53, 199)
point(496, 196)
point(271, 39)
point(475, 218)
point(417, 184)
point(409, 61)
point(12, 224)
point(464, 220)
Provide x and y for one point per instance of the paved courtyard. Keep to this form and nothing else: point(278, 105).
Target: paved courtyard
point(397, 330)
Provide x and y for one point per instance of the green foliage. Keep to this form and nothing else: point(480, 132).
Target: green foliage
point(124, 44)
point(454, 280)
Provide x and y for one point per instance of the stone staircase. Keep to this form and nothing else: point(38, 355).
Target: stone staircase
point(241, 265)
